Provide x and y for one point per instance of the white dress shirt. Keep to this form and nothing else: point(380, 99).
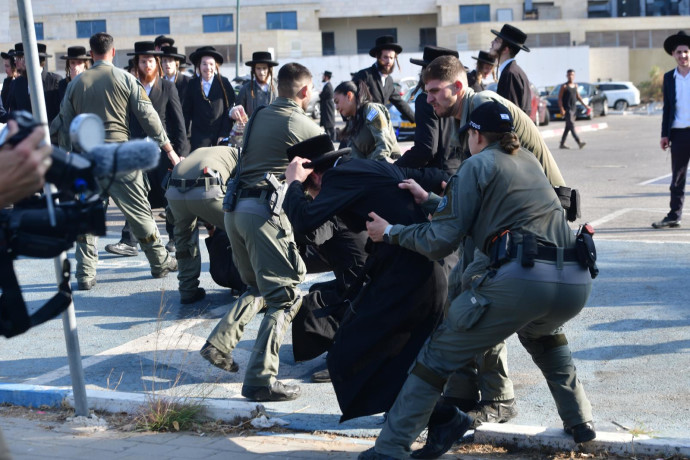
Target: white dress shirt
point(206, 85)
point(681, 118)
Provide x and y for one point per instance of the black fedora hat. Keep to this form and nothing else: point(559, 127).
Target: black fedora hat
point(385, 42)
point(512, 35)
point(162, 40)
point(196, 56)
point(19, 50)
point(485, 57)
point(147, 47)
point(9, 54)
point(328, 73)
point(672, 42)
point(78, 53)
point(262, 57)
point(319, 149)
point(431, 53)
point(171, 51)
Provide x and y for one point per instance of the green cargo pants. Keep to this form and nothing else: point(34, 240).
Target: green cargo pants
point(129, 194)
point(269, 263)
point(533, 302)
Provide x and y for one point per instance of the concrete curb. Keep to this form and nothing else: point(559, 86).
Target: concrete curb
point(548, 133)
point(618, 443)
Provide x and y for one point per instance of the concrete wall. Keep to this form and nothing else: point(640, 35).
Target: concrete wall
point(609, 64)
point(642, 61)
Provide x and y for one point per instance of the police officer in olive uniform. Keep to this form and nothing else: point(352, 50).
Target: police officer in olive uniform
point(263, 245)
point(196, 190)
point(501, 188)
point(111, 93)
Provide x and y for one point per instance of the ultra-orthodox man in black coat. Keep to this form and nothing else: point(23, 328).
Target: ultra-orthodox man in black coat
point(19, 98)
point(327, 106)
point(208, 115)
point(401, 304)
point(383, 93)
point(513, 85)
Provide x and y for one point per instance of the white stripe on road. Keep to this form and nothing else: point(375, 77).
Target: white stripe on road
point(650, 181)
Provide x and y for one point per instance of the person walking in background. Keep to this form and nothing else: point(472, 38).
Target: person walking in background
point(77, 61)
point(327, 106)
point(675, 124)
point(568, 96)
point(513, 84)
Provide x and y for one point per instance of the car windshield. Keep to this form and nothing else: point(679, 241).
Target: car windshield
point(582, 88)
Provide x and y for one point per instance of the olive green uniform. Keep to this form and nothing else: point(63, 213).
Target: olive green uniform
point(205, 172)
point(112, 93)
point(492, 192)
point(264, 248)
point(493, 365)
point(376, 139)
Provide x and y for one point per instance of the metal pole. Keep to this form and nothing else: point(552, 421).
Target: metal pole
point(38, 107)
point(237, 42)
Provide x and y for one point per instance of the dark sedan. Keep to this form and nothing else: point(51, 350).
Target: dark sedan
point(594, 98)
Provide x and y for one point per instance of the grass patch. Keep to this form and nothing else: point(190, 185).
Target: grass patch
point(169, 414)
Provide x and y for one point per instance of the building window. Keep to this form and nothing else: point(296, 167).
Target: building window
point(474, 13)
point(85, 29)
point(217, 23)
point(504, 15)
point(548, 39)
point(328, 43)
point(38, 27)
point(154, 26)
point(662, 8)
point(427, 37)
point(281, 20)
point(366, 38)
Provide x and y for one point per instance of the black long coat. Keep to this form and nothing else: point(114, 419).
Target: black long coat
point(514, 86)
point(432, 141)
point(19, 98)
point(327, 106)
point(166, 102)
point(398, 309)
point(7, 85)
point(383, 94)
point(209, 116)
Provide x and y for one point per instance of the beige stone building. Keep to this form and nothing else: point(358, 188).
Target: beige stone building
point(617, 32)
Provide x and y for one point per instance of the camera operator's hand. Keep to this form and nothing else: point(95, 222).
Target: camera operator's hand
point(23, 166)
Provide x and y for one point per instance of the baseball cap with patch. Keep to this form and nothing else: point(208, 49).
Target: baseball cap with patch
point(490, 117)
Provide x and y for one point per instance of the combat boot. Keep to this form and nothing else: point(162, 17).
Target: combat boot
point(441, 436)
point(493, 412)
point(582, 432)
point(218, 358)
point(276, 392)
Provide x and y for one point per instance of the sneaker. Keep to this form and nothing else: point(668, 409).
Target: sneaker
point(667, 223)
point(581, 145)
point(218, 358)
point(170, 246)
point(122, 249)
point(86, 284)
point(582, 432)
point(494, 412)
point(198, 295)
point(170, 266)
point(564, 147)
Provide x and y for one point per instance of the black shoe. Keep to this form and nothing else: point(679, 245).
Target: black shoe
point(564, 147)
point(582, 432)
point(371, 454)
point(121, 249)
point(170, 266)
point(667, 223)
point(276, 392)
point(321, 376)
point(581, 145)
point(86, 285)
point(494, 412)
point(442, 436)
point(465, 405)
point(218, 358)
point(170, 246)
point(198, 295)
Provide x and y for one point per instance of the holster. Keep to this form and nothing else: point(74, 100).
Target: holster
point(586, 251)
point(230, 200)
point(570, 200)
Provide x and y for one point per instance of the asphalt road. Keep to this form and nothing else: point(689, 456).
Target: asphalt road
point(631, 343)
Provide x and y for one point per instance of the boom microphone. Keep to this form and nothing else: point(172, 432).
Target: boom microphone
point(124, 158)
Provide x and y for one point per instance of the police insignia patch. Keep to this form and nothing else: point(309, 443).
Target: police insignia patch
point(442, 204)
point(373, 113)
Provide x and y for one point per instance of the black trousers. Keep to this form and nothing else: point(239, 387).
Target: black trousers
point(680, 153)
point(569, 126)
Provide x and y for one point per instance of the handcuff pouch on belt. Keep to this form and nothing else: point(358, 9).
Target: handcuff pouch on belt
point(570, 200)
point(509, 245)
point(586, 250)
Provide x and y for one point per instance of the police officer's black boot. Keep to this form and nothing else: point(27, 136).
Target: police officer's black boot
point(449, 425)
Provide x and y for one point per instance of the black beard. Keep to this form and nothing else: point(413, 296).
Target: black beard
point(383, 70)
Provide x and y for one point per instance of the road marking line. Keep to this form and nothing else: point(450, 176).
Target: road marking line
point(647, 182)
point(609, 217)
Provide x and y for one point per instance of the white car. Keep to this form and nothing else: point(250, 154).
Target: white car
point(620, 94)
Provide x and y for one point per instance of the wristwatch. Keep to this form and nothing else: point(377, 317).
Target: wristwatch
point(387, 234)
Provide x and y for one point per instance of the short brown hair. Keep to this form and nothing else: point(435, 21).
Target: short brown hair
point(290, 77)
point(445, 68)
point(101, 43)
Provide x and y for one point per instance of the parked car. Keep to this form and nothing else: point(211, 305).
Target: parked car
point(539, 112)
point(314, 108)
point(589, 93)
point(620, 94)
point(404, 130)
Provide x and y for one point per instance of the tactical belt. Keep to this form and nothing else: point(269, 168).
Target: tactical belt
point(548, 253)
point(190, 183)
point(255, 193)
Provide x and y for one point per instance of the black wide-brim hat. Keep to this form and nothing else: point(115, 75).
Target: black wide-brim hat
point(19, 50)
point(162, 41)
point(142, 48)
point(431, 53)
point(485, 58)
point(512, 35)
point(196, 56)
point(319, 149)
point(672, 42)
point(385, 42)
point(261, 57)
point(9, 54)
point(78, 53)
point(171, 51)
point(328, 73)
